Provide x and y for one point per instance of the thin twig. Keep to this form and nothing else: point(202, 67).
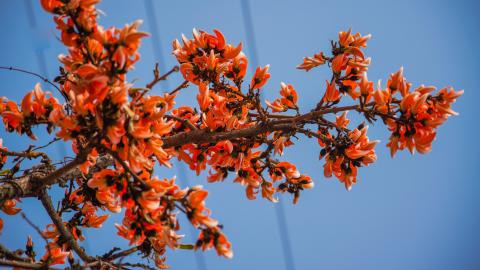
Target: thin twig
point(184, 121)
point(39, 76)
point(123, 253)
point(26, 154)
point(158, 78)
point(126, 167)
point(37, 229)
point(32, 73)
point(184, 84)
point(46, 145)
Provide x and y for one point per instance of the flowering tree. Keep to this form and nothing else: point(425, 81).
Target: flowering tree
point(119, 132)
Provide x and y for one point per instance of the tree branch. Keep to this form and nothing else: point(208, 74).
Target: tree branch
point(158, 78)
point(20, 264)
point(57, 220)
point(8, 254)
point(29, 184)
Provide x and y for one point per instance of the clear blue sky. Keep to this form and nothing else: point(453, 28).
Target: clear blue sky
point(411, 212)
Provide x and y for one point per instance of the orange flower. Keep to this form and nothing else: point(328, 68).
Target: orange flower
point(288, 100)
point(284, 169)
point(55, 254)
point(276, 106)
point(342, 121)
point(339, 63)
point(289, 95)
point(238, 67)
point(398, 83)
point(366, 87)
point(9, 208)
point(345, 38)
point(280, 144)
point(91, 219)
point(260, 77)
point(343, 163)
point(102, 179)
point(331, 94)
point(311, 62)
point(203, 96)
point(420, 114)
point(51, 5)
point(196, 201)
point(214, 238)
point(349, 87)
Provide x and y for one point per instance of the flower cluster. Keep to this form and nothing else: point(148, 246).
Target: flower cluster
point(207, 61)
point(412, 117)
point(36, 108)
point(416, 114)
point(209, 56)
point(350, 150)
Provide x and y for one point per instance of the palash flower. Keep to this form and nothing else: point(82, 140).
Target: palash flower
point(268, 190)
point(9, 207)
point(339, 63)
point(12, 117)
point(342, 121)
point(288, 100)
point(260, 77)
point(331, 93)
point(343, 164)
point(200, 214)
point(203, 96)
point(284, 169)
point(214, 238)
point(349, 87)
point(366, 87)
point(91, 218)
point(55, 255)
point(280, 144)
point(426, 112)
point(312, 62)
point(238, 67)
point(249, 178)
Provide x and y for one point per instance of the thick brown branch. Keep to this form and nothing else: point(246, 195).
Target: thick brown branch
point(20, 264)
point(28, 185)
point(288, 124)
point(8, 254)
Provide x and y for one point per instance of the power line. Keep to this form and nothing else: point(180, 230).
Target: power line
point(156, 41)
point(153, 25)
point(279, 209)
point(199, 258)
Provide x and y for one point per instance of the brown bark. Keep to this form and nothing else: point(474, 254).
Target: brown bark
point(29, 184)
